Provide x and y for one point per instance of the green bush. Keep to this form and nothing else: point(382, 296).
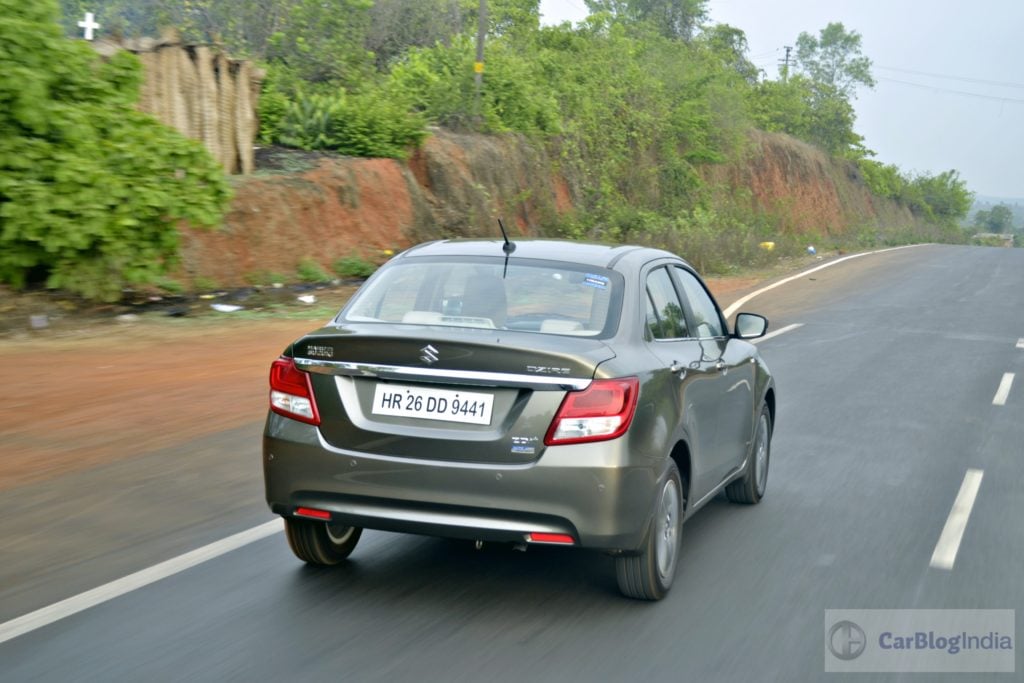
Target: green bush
point(309, 270)
point(91, 190)
point(354, 266)
point(273, 105)
point(366, 124)
point(884, 180)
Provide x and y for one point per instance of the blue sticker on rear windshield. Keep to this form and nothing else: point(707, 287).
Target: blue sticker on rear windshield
point(599, 281)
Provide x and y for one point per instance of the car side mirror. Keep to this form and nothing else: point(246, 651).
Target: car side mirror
point(750, 326)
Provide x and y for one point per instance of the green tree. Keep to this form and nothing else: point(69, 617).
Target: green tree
point(943, 198)
point(814, 103)
point(323, 41)
point(317, 40)
point(729, 44)
point(810, 110)
point(997, 219)
point(91, 189)
point(398, 25)
point(514, 18)
point(640, 113)
point(438, 81)
point(674, 19)
point(884, 180)
point(834, 58)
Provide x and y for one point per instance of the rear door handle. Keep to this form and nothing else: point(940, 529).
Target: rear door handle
point(678, 369)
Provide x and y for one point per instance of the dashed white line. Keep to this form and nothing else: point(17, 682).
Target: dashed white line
point(109, 591)
point(776, 333)
point(948, 546)
point(1003, 392)
point(1020, 343)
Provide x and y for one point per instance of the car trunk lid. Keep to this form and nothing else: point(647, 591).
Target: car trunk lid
point(480, 396)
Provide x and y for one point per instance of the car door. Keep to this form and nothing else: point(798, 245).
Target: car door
point(731, 362)
point(697, 387)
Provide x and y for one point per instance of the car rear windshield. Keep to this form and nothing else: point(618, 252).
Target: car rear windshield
point(530, 295)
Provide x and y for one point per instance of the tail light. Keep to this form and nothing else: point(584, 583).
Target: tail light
point(600, 412)
point(291, 393)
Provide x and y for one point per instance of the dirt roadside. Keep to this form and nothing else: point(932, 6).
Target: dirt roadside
point(106, 391)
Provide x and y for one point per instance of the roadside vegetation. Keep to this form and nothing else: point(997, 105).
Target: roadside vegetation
point(90, 188)
point(635, 105)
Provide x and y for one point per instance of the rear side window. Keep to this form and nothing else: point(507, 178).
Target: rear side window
point(705, 314)
point(665, 319)
point(530, 296)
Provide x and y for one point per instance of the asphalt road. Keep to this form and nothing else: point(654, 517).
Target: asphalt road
point(886, 400)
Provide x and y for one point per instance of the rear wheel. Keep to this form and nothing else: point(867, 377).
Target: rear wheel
point(751, 486)
point(321, 543)
point(648, 575)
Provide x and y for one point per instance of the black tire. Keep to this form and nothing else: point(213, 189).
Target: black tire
point(750, 488)
point(648, 574)
point(320, 543)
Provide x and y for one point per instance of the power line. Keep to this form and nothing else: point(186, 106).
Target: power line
point(952, 78)
point(954, 92)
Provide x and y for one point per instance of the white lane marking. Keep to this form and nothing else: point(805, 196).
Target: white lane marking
point(1020, 343)
point(776, 333)
point(1003, 392)
point(109, 591)
point(736, 305)
point(949, 540)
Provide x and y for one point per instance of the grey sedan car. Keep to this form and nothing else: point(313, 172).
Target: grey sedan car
point(536, 392)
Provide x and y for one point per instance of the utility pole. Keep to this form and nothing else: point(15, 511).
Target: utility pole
point(785, 64)
point(478, 66)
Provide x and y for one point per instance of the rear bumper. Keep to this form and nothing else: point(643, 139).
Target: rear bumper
point(593, 492)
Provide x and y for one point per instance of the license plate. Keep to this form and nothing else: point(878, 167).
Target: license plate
point(469, 407)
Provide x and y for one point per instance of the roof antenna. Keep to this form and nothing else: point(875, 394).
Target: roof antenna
point(508, 248)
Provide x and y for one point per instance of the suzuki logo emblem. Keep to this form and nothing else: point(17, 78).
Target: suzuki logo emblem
point(429, 354)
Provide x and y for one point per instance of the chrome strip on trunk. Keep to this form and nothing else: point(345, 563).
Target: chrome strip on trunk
point(474, 377)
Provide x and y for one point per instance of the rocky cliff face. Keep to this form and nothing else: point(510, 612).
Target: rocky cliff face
point(458, 185)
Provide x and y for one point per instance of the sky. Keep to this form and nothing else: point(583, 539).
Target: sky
point(950, 91)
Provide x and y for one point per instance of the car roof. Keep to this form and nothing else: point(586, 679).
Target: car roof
point(585, 253)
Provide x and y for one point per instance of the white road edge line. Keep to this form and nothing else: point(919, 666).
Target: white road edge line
point(83, 601)
point(1003, 392)
point(736, 305)
point(948, 546)
point(91, 598)
point(776, 333)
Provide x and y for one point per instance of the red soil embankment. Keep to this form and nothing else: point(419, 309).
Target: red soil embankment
point(458, 185)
